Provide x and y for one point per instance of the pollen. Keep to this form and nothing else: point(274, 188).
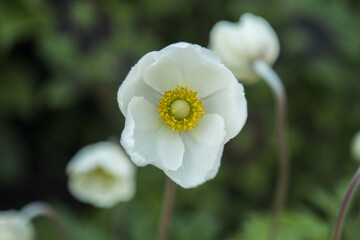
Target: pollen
point(102, 174)
point(180, 109)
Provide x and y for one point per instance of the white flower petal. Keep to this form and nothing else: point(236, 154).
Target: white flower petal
point(134, 84)
point(226, 40)
point(203, 150)
point(108, 155)
point(163, 75)
point(101, 191)
point(208, 78)
point(148, 140)
point(230, 103)
point(210, 130)
point(192, 51)
point(261, 39)
point(189, 57)
point(168, 72)
point(171, 149)
point(212, 173)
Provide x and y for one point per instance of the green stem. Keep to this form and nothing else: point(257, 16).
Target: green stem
point(167, 209)
point(36, 209)
point(345, 205)
point(273, 80)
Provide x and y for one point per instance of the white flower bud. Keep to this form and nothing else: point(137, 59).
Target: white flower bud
point(240, 44)
point(355, 147)
point(102, 175)
point(14, 227)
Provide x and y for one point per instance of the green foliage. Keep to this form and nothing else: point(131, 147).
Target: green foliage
point(61, 63)
point(294, 225)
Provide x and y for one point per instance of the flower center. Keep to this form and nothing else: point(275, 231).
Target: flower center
point(100, 173)
point(180, 108)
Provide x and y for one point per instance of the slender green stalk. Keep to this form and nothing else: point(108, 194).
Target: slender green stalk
point(345, 205)
point(273, 80)
point(36, 209)
point(167, 209)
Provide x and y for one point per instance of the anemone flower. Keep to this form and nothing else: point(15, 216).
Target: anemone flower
point(181, 106)
point(101, 174)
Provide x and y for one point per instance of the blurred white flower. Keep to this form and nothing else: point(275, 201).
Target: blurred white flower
point(14, 227)
point(355, 147)
point(181, 106)
point(240, 44)
point(101, 174)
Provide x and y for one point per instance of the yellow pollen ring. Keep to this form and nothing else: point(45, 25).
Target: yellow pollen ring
point(180, 109)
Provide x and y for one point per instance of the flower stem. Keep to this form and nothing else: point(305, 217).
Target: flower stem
point(36, 209)
point(167, 209)
point(273, 80)
point(345, 205)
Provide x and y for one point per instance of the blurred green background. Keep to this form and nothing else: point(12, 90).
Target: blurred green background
point(61, 63)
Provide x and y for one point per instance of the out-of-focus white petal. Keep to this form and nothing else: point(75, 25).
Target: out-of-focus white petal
point(355, 147)
point(148, 140)
point(260, 38)
point(225, 38)
point(203, 151)
point(239, 44)
point(230, 103)
point(101, 174)
point(13, 227)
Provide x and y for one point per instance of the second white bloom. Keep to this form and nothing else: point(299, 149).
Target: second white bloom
point(240, 44)
point(101, 174)
point(181, 106)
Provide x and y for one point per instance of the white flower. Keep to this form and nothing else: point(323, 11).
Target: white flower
point(14, 227)
point(355, 147)
point(181, 106)
point(239, 44)
point(102, 175)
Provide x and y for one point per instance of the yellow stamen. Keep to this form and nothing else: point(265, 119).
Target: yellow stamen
point(180, 108)
point(102, 174)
